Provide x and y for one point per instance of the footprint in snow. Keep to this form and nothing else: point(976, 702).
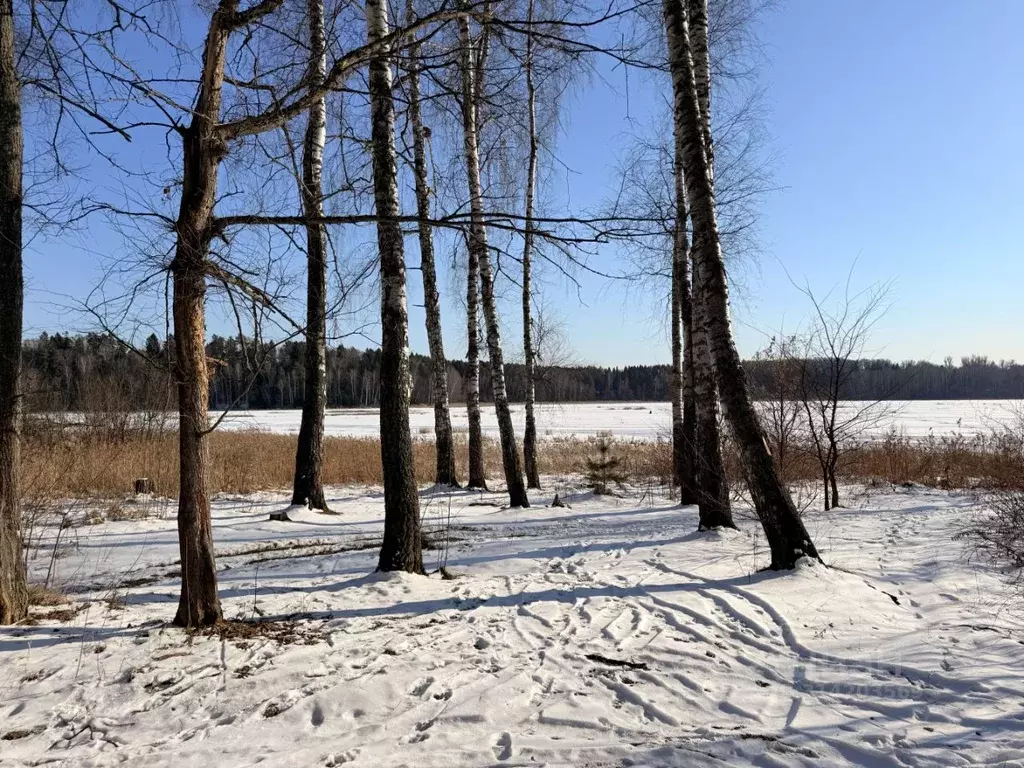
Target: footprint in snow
point(420, 686)
point(344, 757)
point(316, 717)
point(503, 747)
point(421, 733)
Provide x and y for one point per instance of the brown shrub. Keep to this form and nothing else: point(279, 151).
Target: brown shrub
point(44, 596)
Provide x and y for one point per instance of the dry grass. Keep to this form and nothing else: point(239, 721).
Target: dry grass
point(63, 463)
point(49, 604)
point(45, 597)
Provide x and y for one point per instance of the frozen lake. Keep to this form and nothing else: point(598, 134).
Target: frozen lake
point(643, 421)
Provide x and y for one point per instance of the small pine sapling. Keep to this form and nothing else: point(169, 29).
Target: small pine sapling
point(604, 469)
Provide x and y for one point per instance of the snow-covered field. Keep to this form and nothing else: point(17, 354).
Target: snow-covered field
point(608, 634)
point(645, 421)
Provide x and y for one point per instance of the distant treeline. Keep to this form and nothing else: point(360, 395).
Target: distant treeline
point(96, 372)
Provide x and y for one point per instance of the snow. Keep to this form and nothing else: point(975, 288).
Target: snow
point(606, 634)
point(642, 421)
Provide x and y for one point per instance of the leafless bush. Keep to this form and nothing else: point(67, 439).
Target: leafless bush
point(997, 533)
point(832, 347)
point(781, 409)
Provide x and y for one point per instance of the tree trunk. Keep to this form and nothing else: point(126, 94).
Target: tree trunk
point(787, 537)
point(443, 439)
point(679, 468)
point(696, 16)
point(477, 477)
point(684, 430)
point(478, 245)
point(529, 354)
point(712, 485)
point(689, 396)
point(708, 482)
point(833, 483)
point(402, 546)
point(202, 152)
point(198, 604)
point(13, 589)
point(308, 487)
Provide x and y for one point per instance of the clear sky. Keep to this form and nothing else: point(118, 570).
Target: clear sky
point(897, 130)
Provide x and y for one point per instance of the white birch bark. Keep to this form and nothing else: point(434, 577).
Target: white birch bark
point(443, 437)
point(787, 537)
point(478, 245)
point(308, 486)
point(529, 354)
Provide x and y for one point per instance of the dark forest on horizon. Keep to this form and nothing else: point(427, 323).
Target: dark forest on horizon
point(97, 372)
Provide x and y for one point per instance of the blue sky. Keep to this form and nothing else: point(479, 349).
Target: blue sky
point(896, 131)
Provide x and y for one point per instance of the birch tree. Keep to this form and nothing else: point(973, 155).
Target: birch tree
point(443, 437)
point(470, 71)
point(308, 487)
point(684, 411)
point(402, 546)
point(477, 473)
point(787, 537)
point(529, 351)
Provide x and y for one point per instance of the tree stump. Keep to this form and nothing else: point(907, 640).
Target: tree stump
point(143, 485)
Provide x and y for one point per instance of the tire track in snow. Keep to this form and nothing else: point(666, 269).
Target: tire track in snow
point(926, 697)
point(930, 679)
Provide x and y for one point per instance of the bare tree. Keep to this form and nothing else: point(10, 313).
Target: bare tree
point(684, 412)
point(714, 510)
point(653, 190)
point(63, 64)
point(477, 474)
point(443, 437)
point(13, 590)
point(782, 410)
point(787, 537)
point(206, 140)
point(471, 68)
point(829, 360)
point(308, 487)
point(529, 353)
point(402, 547)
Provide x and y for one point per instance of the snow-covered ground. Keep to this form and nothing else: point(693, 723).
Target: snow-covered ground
point(645, 421)
point(607, 634)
